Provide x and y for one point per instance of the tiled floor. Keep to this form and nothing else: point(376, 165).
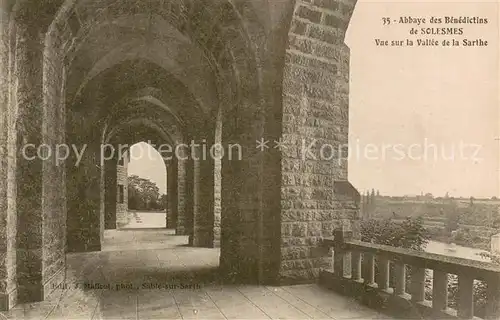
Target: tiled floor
point(147, 274)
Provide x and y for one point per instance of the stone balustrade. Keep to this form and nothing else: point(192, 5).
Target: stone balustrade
point(377, 274)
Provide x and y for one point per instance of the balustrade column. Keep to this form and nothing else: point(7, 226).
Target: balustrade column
point(417, 284)
point(369, 268)
point(400, 282)
point(338, 263)
point(356, 266)
point(465, 303)
point(383, 284)
point(439, 290)
point(493, 297)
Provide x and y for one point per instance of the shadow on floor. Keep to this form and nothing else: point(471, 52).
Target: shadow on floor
point(151, 275)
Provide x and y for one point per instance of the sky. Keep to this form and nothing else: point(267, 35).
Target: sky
point(147, 163)
point(447, 97)
point(437, 105)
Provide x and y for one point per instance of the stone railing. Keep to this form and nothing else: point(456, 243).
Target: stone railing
point(354, 263)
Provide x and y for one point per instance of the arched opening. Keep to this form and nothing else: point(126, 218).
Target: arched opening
point(116, 73)
point(146, 188)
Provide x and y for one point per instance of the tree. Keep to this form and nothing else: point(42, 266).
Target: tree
point(409, 234)
point(163, 202)
point(451, 223)
point(143, 193)
point(134, 199)
point(496, 223)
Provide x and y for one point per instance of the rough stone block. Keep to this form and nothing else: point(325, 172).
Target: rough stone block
point(309, 14)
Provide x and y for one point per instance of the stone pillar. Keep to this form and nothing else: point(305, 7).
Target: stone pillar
point(172, 195)
point(35, 182)
point(110, 178)
point(84, 203)
point(217, 202)
point(8, 221)
point(250, 193)
point(185, 195)
point(203, 224)
point(217, 154)
point(29, 166)
point(168, 211)
point(316, 114)
point(122, 216)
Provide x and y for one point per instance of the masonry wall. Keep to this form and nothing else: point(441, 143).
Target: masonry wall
point(315, 111)
point(122, 217)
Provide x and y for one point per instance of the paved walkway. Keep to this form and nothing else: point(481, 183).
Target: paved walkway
point(148, 220)
point(153, 274)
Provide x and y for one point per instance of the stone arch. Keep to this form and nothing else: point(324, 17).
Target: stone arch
point(120, 138)
point(247, 74)
point(117, 202)
point(124, 129)
point(256, 59)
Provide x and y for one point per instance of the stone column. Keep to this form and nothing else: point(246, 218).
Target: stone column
point(315, 88)
point(8, 228)
point(203, 233)
point(110, 177)
point(216, 152)
point(250, 193)
point(122, 216)
point(185, 195)
point(172, 194)
point(84, 203)
point(28, 164)
point(217, 202)
point(35, 183)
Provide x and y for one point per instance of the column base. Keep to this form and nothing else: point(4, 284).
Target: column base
point(203, 239)
point(29, 293)
point(8, 300)
point(110, 226)
point(37, 291)
point(56, 283)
